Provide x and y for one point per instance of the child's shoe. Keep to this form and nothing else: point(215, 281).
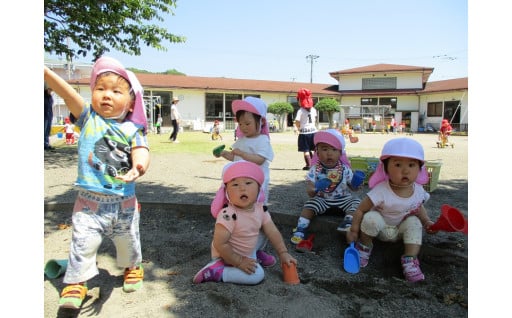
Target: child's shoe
point(212, 272)
point(133, 279)
point(72, 296)
point(298, 235)
point(411, 268)
point(265, 259)
point(364, 253)
point(345, 224)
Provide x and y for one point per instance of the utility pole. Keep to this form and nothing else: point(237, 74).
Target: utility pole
point(311, 57)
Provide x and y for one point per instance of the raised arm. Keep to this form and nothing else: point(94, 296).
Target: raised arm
point(73, 100)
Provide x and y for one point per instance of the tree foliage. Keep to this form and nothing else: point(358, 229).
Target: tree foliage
point(281, 111)
point(97, 26)
point(168, 72)
point(330, 106)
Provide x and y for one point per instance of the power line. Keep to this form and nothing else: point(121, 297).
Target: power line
point(311, 57)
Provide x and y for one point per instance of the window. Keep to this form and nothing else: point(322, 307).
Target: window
point(435, 109)
point(369, 101)
point(388, 101)
point(215, 108)
point(164, 99)
point(379, 83)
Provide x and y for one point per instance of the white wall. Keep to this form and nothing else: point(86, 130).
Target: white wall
point(408, 80)
point(442, 97)
point(407, 103)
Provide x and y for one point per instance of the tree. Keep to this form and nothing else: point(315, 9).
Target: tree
point(330, 106)
point(168, 72)
point(97, 26)
point(281, 111)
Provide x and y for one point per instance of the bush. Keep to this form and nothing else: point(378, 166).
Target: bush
point(281, 111)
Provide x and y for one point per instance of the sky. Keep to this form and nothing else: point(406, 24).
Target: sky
point(269, 39)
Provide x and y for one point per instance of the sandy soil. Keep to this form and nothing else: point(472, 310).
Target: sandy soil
point(176, 230)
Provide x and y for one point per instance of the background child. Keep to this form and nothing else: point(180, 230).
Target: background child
point(235, 239)
point(216, 130)
point(393, 208)
point(158, 124)
point(113, 152)
point(444, 131)
point(69, 130)
point(305, 125)
point(330, 162)
point(253, 144)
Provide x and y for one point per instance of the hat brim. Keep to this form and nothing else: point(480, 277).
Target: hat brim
point(238, 105)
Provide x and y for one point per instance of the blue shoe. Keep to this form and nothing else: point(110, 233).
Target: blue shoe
point(298, 235)
point(345, 224)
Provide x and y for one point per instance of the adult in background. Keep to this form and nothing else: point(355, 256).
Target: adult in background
point(175, 120)
point(48, 116)
point(305, 125)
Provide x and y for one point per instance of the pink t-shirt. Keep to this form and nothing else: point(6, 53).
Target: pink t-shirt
point(244, 226)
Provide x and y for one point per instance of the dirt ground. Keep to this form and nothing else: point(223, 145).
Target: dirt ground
point(176, 231)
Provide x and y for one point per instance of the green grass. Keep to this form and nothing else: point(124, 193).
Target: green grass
point(200, 142)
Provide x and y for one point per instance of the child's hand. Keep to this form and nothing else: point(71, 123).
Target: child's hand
point(428, 224)
point(286, 258)
point(247, 265)
point(132, 174)
point(352, 236)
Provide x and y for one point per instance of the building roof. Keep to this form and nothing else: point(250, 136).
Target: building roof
point(155, 81)
point(165, 81)
point(382, 68)
point(446, 85)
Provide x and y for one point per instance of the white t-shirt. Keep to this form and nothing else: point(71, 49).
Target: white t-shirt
point(394, 208)
point(175, 114)
point(307, 120)
point(259, 145)
point(69, 128)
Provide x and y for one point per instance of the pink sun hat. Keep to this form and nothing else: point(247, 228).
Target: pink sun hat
point(400, 147)
point(108, 64)
point(333, 138)
point(232, 170)
point(253, 105)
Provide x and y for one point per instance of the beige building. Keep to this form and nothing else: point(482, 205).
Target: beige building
point(369, 94)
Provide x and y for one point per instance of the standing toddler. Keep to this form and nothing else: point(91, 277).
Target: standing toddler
point(112, 153)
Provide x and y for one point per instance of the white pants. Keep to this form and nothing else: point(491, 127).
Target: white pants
point(410, 229)
point(94, 217)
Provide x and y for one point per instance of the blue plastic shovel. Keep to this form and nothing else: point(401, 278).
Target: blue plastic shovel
point(351, 259)
point(322, 184)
